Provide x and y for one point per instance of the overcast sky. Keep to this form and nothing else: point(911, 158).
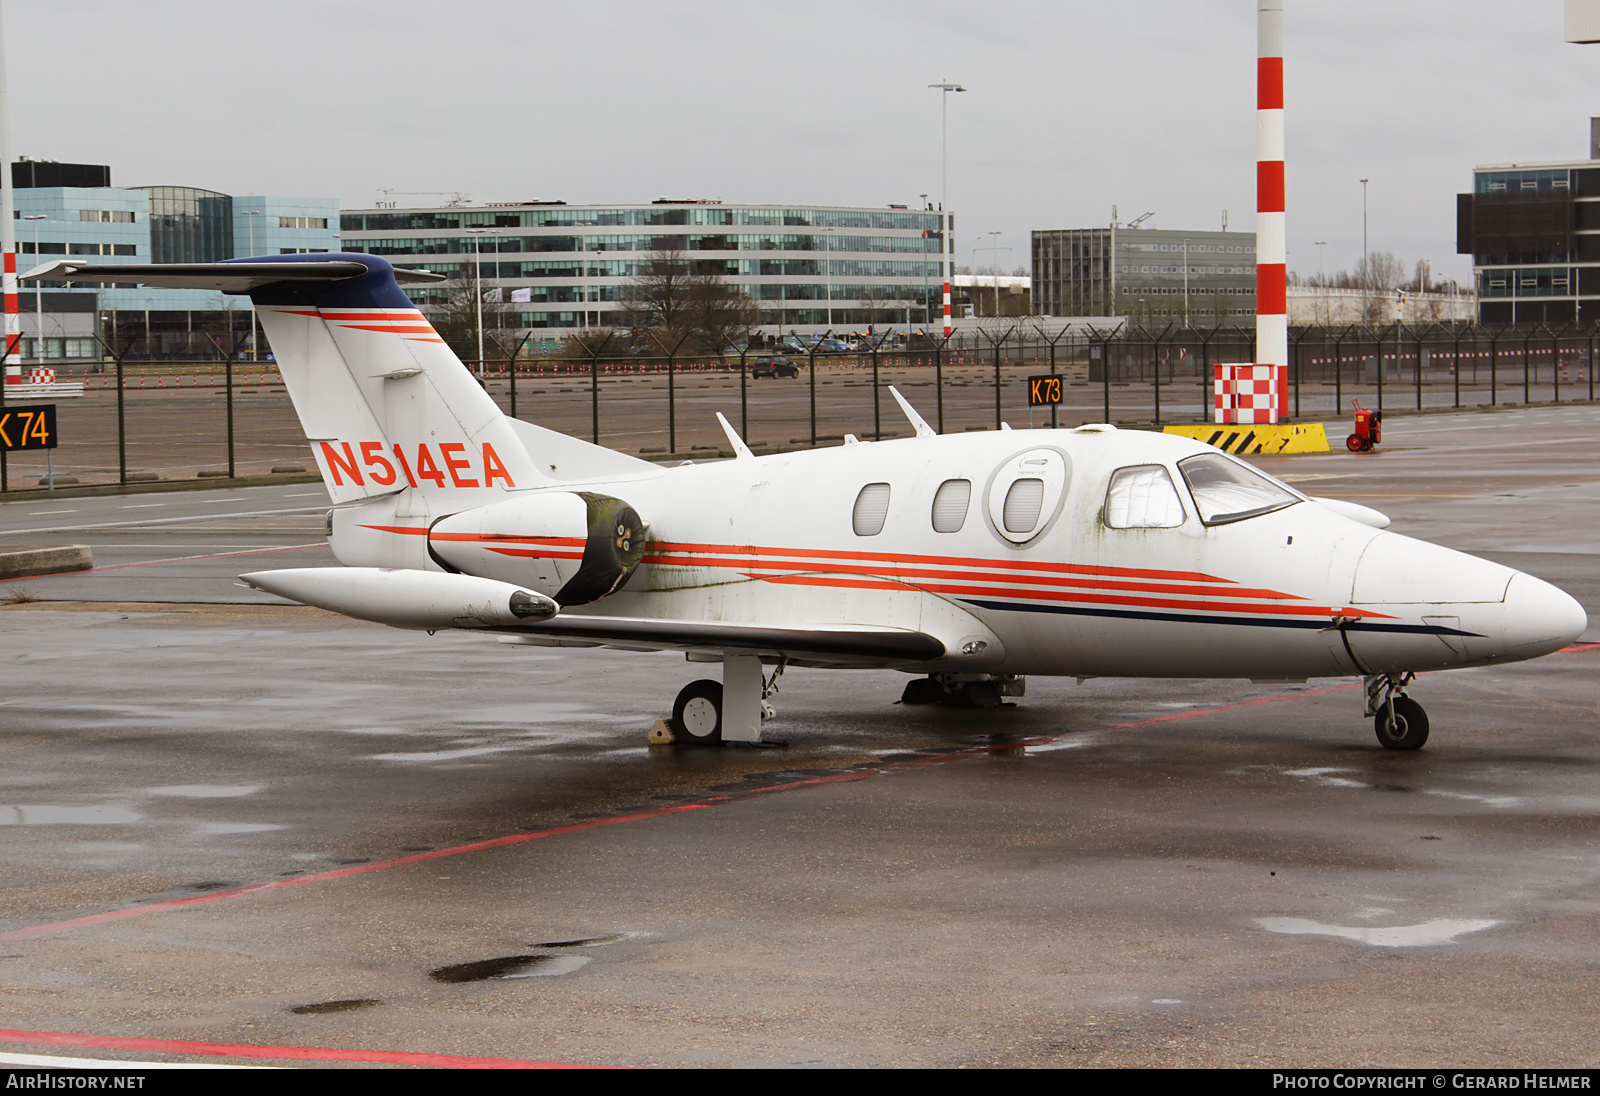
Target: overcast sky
point(1073, 106)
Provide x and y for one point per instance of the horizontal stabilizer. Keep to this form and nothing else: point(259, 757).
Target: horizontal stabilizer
point(237, 276)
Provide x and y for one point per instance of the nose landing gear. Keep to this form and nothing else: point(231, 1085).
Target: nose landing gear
point(1399, 721)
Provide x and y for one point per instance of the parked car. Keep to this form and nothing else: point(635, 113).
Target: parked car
point(773, 367)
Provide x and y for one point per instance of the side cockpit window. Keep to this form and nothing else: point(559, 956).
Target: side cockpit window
point(950, 505)
point(872, 507)
point(1143, 497)
point(1227, 490)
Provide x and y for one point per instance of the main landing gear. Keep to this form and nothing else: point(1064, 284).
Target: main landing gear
point(707, 712)
point(1399, 721)
point(964, 690)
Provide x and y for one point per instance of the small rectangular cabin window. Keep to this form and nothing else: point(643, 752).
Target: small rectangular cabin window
point(872, 507)
point(950, 505)
point(1143, 497)
point(1023, 503)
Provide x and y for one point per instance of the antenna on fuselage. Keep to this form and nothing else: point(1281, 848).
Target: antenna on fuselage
point(917, 421)
point(741, 451)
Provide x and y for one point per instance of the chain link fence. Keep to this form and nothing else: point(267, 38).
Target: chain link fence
point(145, 420)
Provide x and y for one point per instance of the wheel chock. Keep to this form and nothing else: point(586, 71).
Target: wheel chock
point(661, 734)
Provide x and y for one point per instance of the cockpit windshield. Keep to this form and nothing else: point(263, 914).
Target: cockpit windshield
point(1227, 490)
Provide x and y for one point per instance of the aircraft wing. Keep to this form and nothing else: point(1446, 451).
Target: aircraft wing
point(232, 276)
point(817, 645)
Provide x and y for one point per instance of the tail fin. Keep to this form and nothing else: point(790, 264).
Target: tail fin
point(385, 404)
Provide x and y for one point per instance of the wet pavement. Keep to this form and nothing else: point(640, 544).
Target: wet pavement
point(266, 826)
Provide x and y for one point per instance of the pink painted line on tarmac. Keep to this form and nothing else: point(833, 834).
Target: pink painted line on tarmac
point(848, 776)
point(1579, 647)
point(52, 927)
point(248, 1050)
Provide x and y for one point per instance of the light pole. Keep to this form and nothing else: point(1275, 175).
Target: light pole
point(1322, 279)
point(252, 214)
point(477, 286)
point(927, 309)
point(1185, 282)
point(38, 292)
point(948, 248)
point(1366, 258)
point(827, 274)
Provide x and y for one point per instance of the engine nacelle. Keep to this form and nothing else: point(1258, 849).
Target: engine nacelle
point(575, 546)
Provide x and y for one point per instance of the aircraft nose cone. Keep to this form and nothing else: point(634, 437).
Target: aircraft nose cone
point(1540, 618)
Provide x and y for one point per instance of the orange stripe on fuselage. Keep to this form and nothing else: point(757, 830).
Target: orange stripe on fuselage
point(976, 574)
point(959, 561)
point(1092, 599)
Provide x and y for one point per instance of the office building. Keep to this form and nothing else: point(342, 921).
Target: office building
point(556, 268)
point(1148, 275)
point(59, 217)
point(1533, 231)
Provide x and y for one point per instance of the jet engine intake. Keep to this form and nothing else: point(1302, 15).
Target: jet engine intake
point(573, 546)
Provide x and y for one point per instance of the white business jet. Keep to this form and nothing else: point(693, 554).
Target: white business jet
point(968, 560)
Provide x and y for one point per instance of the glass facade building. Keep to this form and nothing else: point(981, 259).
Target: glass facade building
point(1147, 274)
point(141, 225)
point(809, 268)
point(1533, 231)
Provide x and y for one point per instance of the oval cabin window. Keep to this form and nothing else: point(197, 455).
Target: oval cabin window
point(950, 505)
point(1026, 494)
point(872, 507)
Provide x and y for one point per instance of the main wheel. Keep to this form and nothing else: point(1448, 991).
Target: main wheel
point(697, 713)
point(1409, 730)
point(1355, 443)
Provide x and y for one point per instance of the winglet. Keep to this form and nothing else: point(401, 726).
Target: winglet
point(741, 451)
point(923, 429)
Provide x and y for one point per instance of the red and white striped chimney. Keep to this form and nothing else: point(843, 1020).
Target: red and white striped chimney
point(1272, 293)
point(11, 366)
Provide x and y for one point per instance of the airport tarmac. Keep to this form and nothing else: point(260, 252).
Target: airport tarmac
point(235, 829)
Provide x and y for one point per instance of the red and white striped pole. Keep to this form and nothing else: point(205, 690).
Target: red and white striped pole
point(1272, 293)
point(947, 310)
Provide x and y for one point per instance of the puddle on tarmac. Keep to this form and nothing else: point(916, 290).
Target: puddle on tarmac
point(205, 791)
point(321, 1007)
point(52, 815)
point(441, 755)
point(1427, 934)
point(585, 942)
point(509, 966)
point(538, 964)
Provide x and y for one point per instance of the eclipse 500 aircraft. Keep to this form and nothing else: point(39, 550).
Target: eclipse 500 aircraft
point(971, 559)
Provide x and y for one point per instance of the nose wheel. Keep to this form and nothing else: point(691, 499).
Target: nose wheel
point(1399, 721)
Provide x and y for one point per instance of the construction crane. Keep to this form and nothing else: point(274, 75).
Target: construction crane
point(455, 196)
point(1141, 219)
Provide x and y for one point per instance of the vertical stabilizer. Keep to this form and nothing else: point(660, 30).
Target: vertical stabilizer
point(386, 405)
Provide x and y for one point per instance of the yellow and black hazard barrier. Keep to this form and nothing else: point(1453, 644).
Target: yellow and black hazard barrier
point(1244, 438)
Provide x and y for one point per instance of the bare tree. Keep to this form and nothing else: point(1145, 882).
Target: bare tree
point(454, 310)
point(722, 315)
point(1378, 276)
point(681, 303)
point(657, 301)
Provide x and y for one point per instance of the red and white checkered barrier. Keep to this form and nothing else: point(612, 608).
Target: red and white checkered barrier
point(1250, 393)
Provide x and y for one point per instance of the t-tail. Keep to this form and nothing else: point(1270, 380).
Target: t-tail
point(402, 432)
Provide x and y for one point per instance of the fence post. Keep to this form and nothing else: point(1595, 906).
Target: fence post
point(594, 387)
point(1527, 358)
point(938, 378)
point(744, 399)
